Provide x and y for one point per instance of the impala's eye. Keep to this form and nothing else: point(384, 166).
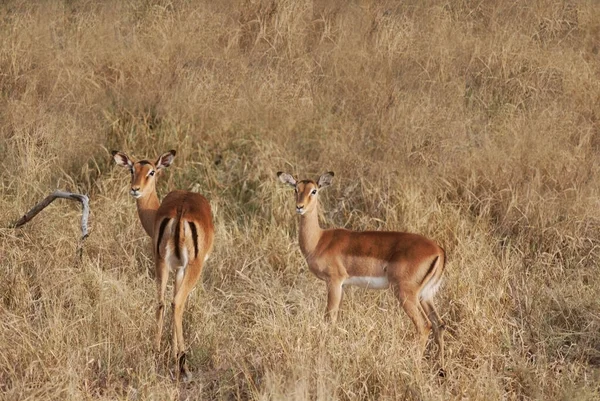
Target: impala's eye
point(314, 192)
point(151, 173)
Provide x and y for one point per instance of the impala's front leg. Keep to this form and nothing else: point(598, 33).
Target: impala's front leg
point(334, 298)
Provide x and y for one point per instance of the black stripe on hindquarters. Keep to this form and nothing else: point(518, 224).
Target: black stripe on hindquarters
point(161, 231)
point(430, 269)
point(194, 237)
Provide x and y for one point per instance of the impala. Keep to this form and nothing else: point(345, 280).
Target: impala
point(411, 263)
point(182, 234)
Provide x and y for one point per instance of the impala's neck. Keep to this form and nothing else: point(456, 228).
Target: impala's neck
point(147, 206)
point(310, 232)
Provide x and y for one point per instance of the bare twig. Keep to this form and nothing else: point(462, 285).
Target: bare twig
point(49, 199)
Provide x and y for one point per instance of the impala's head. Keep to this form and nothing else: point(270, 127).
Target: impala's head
point(143, 172)
point(307, 191)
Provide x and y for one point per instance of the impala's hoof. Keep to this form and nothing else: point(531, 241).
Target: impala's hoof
point(184, 372)
point(186, 377)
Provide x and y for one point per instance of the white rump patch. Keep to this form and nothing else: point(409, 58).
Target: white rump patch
point(173, 261)
point(170, 257)
point(375, 283)
point(430, 289)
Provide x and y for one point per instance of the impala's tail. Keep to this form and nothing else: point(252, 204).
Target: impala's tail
point(179, 237)
point(433, 278)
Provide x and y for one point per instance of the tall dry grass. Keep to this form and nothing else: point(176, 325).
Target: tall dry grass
point(474, 123)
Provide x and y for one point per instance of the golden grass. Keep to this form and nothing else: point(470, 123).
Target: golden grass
point(474, 123)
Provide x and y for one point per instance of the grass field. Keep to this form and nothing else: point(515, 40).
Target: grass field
point(475, 123)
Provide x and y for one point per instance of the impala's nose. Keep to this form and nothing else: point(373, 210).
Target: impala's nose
point(135, 192)
point(300, 209)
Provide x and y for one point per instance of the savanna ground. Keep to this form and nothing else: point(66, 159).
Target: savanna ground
point(474, 123)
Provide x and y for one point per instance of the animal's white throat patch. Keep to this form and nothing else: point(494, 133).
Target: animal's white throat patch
point(376, 283)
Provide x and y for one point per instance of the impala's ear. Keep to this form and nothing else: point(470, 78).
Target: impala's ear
point(121, 159)
point(325, 179)
point(287, 179)
point(166, 159)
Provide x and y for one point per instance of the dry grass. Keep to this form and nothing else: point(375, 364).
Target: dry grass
point(474, 123)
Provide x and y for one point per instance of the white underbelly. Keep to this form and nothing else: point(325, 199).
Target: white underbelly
point(376, 283)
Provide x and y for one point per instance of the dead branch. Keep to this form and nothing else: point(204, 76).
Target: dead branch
point(49, 199)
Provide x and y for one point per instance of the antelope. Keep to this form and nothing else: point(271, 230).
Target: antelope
point(182, 234)
point(411, 263)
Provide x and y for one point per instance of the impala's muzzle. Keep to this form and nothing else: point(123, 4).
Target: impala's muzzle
point(300, 209)
point(135, 192)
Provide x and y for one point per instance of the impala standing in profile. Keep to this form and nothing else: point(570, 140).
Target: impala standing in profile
point(411, 263)
point(182, 234)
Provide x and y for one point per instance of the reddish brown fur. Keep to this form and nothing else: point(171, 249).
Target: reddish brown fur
point(177, 250)
point(196, 209)
point(409, 262)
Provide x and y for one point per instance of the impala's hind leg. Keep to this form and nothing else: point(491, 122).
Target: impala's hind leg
point(161, 277)
point(438, 327)
point(185, 282)
point(410, 303)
